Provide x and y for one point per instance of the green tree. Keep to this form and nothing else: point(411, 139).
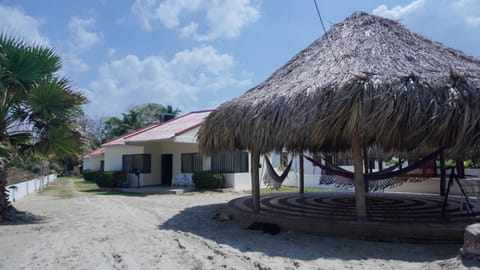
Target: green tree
point(151, 113)
point(38, 108)
point(137, 117)
point(112, 128)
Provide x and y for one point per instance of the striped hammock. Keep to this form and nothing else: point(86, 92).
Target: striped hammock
point(388, 178)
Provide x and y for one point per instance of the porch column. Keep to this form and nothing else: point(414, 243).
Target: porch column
point(359, 181)
point(255, 180)
point(302, 174)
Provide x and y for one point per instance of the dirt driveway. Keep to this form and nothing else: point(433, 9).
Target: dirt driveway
point(96, 230)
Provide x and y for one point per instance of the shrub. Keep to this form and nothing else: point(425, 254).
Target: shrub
point(88, 175)
point(119, 178)
point(208, 179)
point(104, 179)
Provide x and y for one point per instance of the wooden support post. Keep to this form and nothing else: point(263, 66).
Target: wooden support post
point(380, 165)
point(460, 168)
point(359, 181)
point(365, 159)
point(302, 174)
point(371, 165)
point(443, 179)
point(255, 180)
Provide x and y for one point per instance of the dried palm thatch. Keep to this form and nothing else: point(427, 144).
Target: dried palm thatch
point(395, 89)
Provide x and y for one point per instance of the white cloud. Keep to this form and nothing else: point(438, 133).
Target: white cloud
point(398, 12)
point(74, 63)
point(222, 19)
point(227, 18)
point(189, 30)
point(111, 52)
point(143, 9)
point(454, 23)
point(473, 21)
point(179, 81)
point(14, 22)
point(169, 11)
point(452, 12)
point(82, 38)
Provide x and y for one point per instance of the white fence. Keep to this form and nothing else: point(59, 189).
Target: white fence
point(22, 189)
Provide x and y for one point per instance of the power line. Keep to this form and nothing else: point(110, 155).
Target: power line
point(326, 36)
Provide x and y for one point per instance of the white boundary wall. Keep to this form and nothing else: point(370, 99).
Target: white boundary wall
point(25, 188)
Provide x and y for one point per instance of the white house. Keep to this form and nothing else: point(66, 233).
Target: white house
point(161, 151)
point(94, 160)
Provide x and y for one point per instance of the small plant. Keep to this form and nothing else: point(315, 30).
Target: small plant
point(119, 177)
point(88, 175)
point(208, 179)
point(104, 179)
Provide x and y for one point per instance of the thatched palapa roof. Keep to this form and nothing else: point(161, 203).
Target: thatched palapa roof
point(392, 87)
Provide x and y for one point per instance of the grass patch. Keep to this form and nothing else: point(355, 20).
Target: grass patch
point(91, 187)
point(69, 186)
point(62, 188)
point(291, 189)
point(83, 185)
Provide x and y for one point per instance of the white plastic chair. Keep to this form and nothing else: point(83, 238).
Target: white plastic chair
point(187, 180)
point(177, 181)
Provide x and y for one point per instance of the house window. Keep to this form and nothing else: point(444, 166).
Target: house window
point(230, 162)
point(102, 165)
point(192, 162)
point(141, 162)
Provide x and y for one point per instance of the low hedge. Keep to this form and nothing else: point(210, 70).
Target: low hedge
point(119, 177)
point(208, 179)
point(106, 179)
point(88, 175)
point(103, 179)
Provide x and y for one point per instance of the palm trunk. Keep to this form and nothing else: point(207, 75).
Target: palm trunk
point(4, 204)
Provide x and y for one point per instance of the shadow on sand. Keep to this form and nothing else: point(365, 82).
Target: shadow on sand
point(15, 217)
point(198, 220)
point(101, 191)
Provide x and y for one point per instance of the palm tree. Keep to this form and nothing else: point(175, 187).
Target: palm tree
point(37, 107)
point(169, 109)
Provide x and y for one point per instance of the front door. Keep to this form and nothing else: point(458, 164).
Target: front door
point(167, 169)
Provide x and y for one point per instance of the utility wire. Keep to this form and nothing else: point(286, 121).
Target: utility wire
point(326, 36)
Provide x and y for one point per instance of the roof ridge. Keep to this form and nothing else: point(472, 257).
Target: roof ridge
point(158, 124)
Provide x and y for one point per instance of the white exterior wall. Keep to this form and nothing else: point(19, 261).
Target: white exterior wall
point(114, 160)
point(86, 164)
point(113, 155)
point(188, 137)
point(92, 163)
point(243, 181)
point(157, 149)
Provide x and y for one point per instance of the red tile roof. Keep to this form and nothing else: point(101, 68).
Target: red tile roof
point(97, 152)
point(163, 131)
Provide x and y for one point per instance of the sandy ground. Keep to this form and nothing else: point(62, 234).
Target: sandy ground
point(92, 231)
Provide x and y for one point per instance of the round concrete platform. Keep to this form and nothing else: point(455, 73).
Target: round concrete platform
point(390, 216)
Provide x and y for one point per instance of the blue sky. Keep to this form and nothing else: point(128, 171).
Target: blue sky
point(196, 54)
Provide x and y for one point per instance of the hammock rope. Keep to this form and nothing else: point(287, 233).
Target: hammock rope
point(273, 179)
point(342, 178)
